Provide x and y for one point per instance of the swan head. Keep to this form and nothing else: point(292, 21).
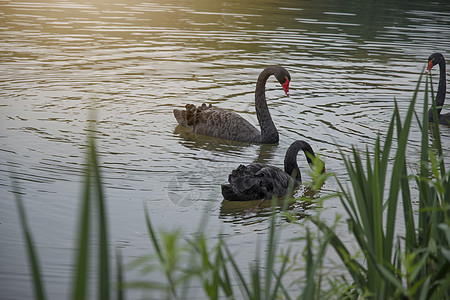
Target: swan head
point(433, 60)
point(284, 78)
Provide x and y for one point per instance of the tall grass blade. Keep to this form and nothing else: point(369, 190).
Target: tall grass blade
point(385, 155)
point(356, 270)
point(243, 284)
point(152, 234)
point(256, 280)
point(397, 175)
point(92, 196)
point(159, 253)
point(120, 276)
point(279, 276)
point(410, 228)
point(310, 287)
point(39, 291)
point(224, 282)
point(79, 288)
point(103, 255)
point(271, 251)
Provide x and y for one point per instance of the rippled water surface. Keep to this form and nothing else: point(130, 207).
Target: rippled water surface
point(135, 61)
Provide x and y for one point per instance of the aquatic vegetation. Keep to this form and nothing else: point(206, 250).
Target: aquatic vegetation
point(415, 264)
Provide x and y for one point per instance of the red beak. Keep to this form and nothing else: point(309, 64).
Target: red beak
point(286, 86)
point(430, 65)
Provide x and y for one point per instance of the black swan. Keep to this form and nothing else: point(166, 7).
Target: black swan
point(261, 181)
point(225, 124)
point(438, 59)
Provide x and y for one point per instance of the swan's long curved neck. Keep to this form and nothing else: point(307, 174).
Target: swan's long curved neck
point(290, 160)
point(440, 96)
point(269, 133)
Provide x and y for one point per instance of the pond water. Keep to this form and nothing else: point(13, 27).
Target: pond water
point(135, 61)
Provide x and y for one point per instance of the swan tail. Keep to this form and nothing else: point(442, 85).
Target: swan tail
point(191, 116)
point(180, 115)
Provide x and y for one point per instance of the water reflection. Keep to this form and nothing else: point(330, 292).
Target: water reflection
point(193, 141)
point(251, 212)
point(265, 154)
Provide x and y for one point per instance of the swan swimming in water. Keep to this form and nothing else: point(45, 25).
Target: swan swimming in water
point(261, 181)
point(438, 59)
point(226, 124)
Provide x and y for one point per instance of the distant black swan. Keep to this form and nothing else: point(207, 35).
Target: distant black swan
point(261, 181)
point(438, 59)
point(225, 124)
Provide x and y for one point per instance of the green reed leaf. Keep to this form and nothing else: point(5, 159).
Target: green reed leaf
point(120, 276)
point(79, 288)
point(39, 290)
point(103, 254)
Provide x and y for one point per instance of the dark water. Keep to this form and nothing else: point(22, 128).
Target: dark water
point(134, 62)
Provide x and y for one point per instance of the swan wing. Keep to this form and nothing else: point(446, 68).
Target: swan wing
point(275, 180)
point(217, 122)
point(256, 181)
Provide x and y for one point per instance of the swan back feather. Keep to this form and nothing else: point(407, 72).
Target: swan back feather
point(256, 181)
point(217, 122)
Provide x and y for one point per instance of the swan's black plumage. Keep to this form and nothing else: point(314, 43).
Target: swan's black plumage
point(261, 181)
point(225, 124)
point(438, 59)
